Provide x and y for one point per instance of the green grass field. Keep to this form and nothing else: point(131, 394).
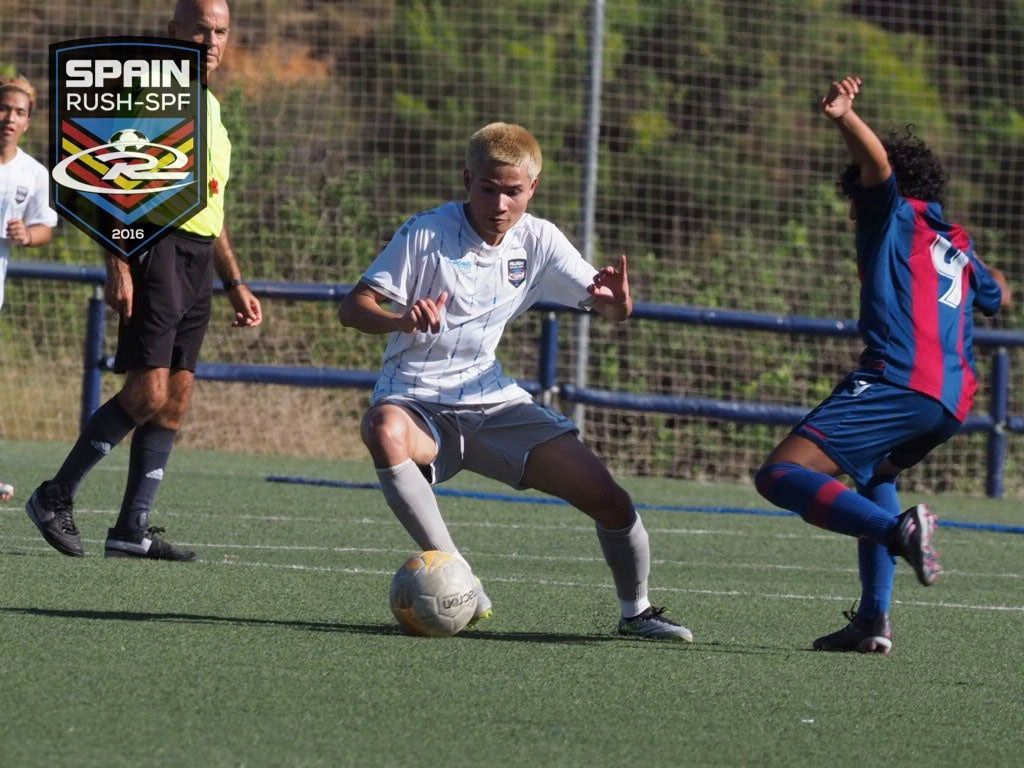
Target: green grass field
point(278, 647)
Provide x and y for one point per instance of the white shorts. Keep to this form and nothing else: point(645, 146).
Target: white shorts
point(492, 440)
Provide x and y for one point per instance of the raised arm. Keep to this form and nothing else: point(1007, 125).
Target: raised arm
point(865, 147)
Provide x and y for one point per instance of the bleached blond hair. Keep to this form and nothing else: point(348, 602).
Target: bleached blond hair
point(504, 143)
point(21, 85)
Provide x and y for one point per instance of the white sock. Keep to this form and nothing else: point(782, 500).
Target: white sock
point(411, 499)
point(628, 553)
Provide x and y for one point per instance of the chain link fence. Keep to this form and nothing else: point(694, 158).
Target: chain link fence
point(716, 176)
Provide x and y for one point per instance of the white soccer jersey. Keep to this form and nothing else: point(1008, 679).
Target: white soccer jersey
point(25, 195)
point(488, 286)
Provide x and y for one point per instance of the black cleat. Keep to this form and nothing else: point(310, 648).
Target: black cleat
point(861, 635)
point(51, 509)
point(147, 546)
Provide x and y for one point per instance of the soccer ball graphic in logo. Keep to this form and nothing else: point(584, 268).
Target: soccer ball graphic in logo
point(129, 140)
point(433, 594)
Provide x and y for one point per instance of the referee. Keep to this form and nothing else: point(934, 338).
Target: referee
point(163, 298)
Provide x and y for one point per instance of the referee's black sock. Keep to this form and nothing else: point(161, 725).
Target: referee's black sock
point(105, 428)
point(151, 447)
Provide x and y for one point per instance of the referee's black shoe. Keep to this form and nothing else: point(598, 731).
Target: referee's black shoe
point(145, 546)
point(51, 509)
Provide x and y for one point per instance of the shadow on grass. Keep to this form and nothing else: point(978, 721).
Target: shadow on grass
point(192, 618)
point(310, 626)
point(562, 638)
point(392, 630)
point(749, 650)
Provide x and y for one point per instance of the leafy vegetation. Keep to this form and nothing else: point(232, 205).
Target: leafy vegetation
point(716, 173)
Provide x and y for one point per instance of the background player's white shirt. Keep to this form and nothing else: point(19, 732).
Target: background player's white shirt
point(440, 251)
point(25, 195)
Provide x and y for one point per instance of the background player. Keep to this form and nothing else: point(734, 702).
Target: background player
point(164, 300)
point(457, 275)
point(26, 219)
point(915, 382)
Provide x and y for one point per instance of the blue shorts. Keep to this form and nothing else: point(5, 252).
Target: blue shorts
point(867, 420)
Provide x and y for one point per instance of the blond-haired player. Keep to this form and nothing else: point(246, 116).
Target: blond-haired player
point(455, 276)
point(26, 219)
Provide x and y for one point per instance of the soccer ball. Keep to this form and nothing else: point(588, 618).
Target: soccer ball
point(129, 140)
point(433, 594)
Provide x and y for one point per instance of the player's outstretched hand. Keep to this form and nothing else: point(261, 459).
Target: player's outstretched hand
point(839, 99)
point(424, 315)
point(611, 290)
point(248, 312)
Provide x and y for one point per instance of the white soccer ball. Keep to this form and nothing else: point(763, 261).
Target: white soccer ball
point(129, 140)
point(433, 594)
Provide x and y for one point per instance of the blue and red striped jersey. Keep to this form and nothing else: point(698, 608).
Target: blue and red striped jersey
point(920, 279)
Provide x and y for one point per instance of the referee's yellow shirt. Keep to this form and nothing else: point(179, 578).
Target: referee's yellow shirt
point(210, 221)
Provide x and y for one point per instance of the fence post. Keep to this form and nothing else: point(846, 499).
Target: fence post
point(548, 363)
point(999, 410)
point(593, 145)
point(92, 376)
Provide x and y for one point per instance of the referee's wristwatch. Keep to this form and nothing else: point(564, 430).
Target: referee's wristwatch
point(232, 283)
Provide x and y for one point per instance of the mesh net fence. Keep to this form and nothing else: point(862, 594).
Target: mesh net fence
point(716, 176)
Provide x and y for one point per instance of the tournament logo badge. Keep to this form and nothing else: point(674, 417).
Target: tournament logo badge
point(516, 272)
point(127, 137)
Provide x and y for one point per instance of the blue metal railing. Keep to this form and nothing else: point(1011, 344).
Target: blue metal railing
point(997, 422)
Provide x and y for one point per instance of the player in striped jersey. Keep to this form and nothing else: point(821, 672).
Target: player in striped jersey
point(456, 276)
point(920, 280)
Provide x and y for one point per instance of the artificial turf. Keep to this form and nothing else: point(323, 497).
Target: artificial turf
point(277, 647)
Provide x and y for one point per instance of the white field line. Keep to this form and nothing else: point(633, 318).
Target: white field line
point(389, 521)
point(720, 565)
point(115, 467)
point(808, 535)
point(589, 585)
point(604, 586)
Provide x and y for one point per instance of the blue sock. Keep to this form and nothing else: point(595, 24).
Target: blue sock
point(825, 502)
point(151, 447)
point(105, 428)
point(877, 565)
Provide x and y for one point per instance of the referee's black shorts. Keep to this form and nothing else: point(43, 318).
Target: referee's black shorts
point(172, 290)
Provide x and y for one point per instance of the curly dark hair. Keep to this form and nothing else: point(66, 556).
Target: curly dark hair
point(918, 171)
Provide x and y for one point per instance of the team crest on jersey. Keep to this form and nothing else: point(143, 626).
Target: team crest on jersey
point(516, 272)
point(20, 194)
point(127, 137)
